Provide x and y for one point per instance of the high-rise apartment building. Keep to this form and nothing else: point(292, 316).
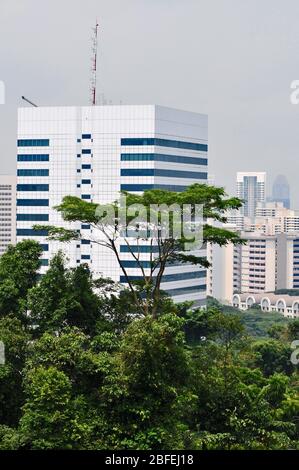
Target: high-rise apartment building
point(288, 261)
point(271, 218)
point(251, 188)
point(7, 211)
point(94, 153)
point(265, 263)
point(255, 265)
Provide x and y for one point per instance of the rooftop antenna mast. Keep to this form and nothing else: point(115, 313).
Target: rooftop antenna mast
point(93, 97)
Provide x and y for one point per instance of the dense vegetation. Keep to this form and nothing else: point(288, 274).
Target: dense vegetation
point(84, 371)
point(257, 323)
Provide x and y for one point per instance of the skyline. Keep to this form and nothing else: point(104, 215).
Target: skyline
point(236, 66)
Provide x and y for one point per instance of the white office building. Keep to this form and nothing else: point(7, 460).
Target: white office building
point(93, 153)
point(7, 211)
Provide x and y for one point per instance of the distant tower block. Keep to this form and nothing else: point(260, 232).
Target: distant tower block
point(251, 187)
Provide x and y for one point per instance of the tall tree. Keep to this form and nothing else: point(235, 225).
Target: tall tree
point(14, 340)
point(19, 267)
point(48, 301)
point(167, 221)
point(65, 297)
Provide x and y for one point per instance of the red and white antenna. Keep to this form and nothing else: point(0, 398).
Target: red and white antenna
point(93, 80)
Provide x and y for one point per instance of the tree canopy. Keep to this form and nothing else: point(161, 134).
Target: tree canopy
point(82, 372)
point(174, 225)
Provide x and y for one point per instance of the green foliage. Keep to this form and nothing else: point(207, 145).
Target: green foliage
point(149, 392)
point(238, 407)
point(85, 369)
point(64, 298)
point(47, 301)
point(257, 323)
point(273, 356)
point(293, 330)
point(47, 418)
point(53, 418)
point(18, 273)
point(15, 340)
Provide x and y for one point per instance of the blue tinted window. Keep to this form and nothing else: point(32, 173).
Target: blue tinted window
point(186, 290)
point(39, 172)
point(157, 157)
point(32, 187)
point(138, 141)
point(44, 246)
point(145, 187)
point(163, 173)
point(33, 217)
point(86, 181)
point(165, 143)
point(44, 262)
point(33, 143)
point(78, 155)
point(85, 256)
point(134, 264)
point(85, 227)
point(32, 202)
point(135, 157)
point(29, 232)
point(85, 242)
point(86, 151)
point(33, 158)
point(86, 167)
point(137, 172)
point(86, 136)
point(78, 140)
point(78, 185)
point(79, 171)
point(139, 249)
point(171, 277)
point(86, 196)
point(145, 264)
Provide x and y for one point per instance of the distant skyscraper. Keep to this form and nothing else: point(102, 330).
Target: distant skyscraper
point(281, 191)
point(251, 188)
point(7, 211)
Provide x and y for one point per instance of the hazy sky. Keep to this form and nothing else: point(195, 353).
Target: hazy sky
point(231, 59)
